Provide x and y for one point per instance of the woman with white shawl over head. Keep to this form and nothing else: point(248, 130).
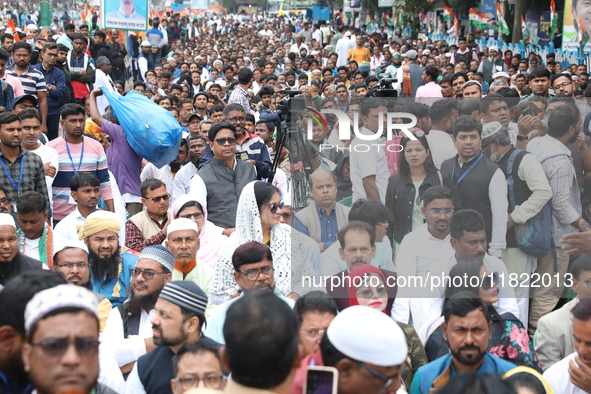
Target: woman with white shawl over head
point(258, 219)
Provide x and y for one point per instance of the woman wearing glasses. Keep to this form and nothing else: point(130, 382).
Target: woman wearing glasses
point(509, 339)
point(258, 219)
point(416, 173)
point(367, 287)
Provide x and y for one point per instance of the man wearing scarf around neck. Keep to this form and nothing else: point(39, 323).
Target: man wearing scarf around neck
point(110, 264)
point(183, 243)
point(35, 237)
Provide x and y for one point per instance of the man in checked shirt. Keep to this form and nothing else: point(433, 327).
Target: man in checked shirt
point(21, 171)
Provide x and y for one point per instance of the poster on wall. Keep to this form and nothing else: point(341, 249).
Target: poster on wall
point(352, 5)
point(125, 14)
point(576, 27)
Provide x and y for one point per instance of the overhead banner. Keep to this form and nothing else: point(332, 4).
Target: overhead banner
point(576, 28)
point(125, 14)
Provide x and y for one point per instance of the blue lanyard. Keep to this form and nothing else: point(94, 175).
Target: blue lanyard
point(4, 380)
point(20, 178)
point(453, 171)
point(70, 156)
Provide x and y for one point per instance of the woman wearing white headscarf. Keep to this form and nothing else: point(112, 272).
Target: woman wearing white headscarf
point(258, 219)
point(211, 239)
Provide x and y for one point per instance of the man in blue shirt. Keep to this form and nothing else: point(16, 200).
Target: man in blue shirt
point(56, 87)
point(322, 220)
point(109, 263)
point(467, 329)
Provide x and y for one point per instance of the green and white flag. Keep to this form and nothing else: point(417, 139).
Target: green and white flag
point(503, 27)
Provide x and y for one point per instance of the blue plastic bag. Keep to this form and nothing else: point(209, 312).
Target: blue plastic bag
point(152, 132)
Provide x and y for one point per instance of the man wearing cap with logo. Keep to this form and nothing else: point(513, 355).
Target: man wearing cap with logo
point(71, 260)
point(531, 190)
point(492, 64)
point(128, 330)
point(179, 318)
point(12, 261)
point(467, 329)
point(410, 75)
point(368, 363)
point(110, 264)
point(143, 60)
point(56, 319)
point(183, 242)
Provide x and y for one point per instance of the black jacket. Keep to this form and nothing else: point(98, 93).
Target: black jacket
point(20, 264)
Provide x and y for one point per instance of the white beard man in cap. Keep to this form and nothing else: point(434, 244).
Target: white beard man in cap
point(179, 318)
point(128, 329)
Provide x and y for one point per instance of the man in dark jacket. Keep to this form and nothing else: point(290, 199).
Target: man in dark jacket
point(100, 47)
point(12, 262)
point(118, 53)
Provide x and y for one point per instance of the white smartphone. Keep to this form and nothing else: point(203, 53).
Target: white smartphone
point(321, 380)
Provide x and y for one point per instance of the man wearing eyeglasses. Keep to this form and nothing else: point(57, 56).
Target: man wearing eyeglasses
point(249, 147)
point(253, 270)
point(221, 181)
point(149, 227)
point(61, 352)
point(197, 365)
point(71, 260)
point(128, 329)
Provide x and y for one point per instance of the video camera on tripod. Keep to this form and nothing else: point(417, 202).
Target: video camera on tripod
point(290, 135)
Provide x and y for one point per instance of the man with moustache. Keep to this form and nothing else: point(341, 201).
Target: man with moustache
point(128, 329)
point(424, 250)
point(564, 125)
point(531, 192)
point(12, 261)
point(253, 270)
point(71, 260)
point(467, 329)
point(492, 63)
point(183, 243)
point(110, 264)
point(357, 241)
point(179, 319)
point(85, 191)
point(35, 236)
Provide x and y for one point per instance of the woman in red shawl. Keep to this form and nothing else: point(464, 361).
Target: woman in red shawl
point(367, 286)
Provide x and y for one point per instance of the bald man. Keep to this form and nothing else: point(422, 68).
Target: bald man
point(12, 261)
point(322, 220)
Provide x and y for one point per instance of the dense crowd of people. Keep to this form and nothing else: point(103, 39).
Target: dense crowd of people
point(451, 254)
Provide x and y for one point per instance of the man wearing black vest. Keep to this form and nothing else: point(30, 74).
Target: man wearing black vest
point(479, 181)
point(531, 190)
point(221, 181)
point(179, 318)
point(128, 330)
point(464, 53)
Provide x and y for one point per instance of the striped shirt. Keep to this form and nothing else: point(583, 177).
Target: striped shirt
point(32, 80)
point(94, 160)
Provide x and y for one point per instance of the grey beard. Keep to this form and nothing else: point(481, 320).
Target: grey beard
point(493, 155)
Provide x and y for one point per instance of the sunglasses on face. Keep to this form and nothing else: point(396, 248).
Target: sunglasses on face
point(55, 348)
point(489, 281)
point(157, 199)
point(276, 206)
point(223, 141)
